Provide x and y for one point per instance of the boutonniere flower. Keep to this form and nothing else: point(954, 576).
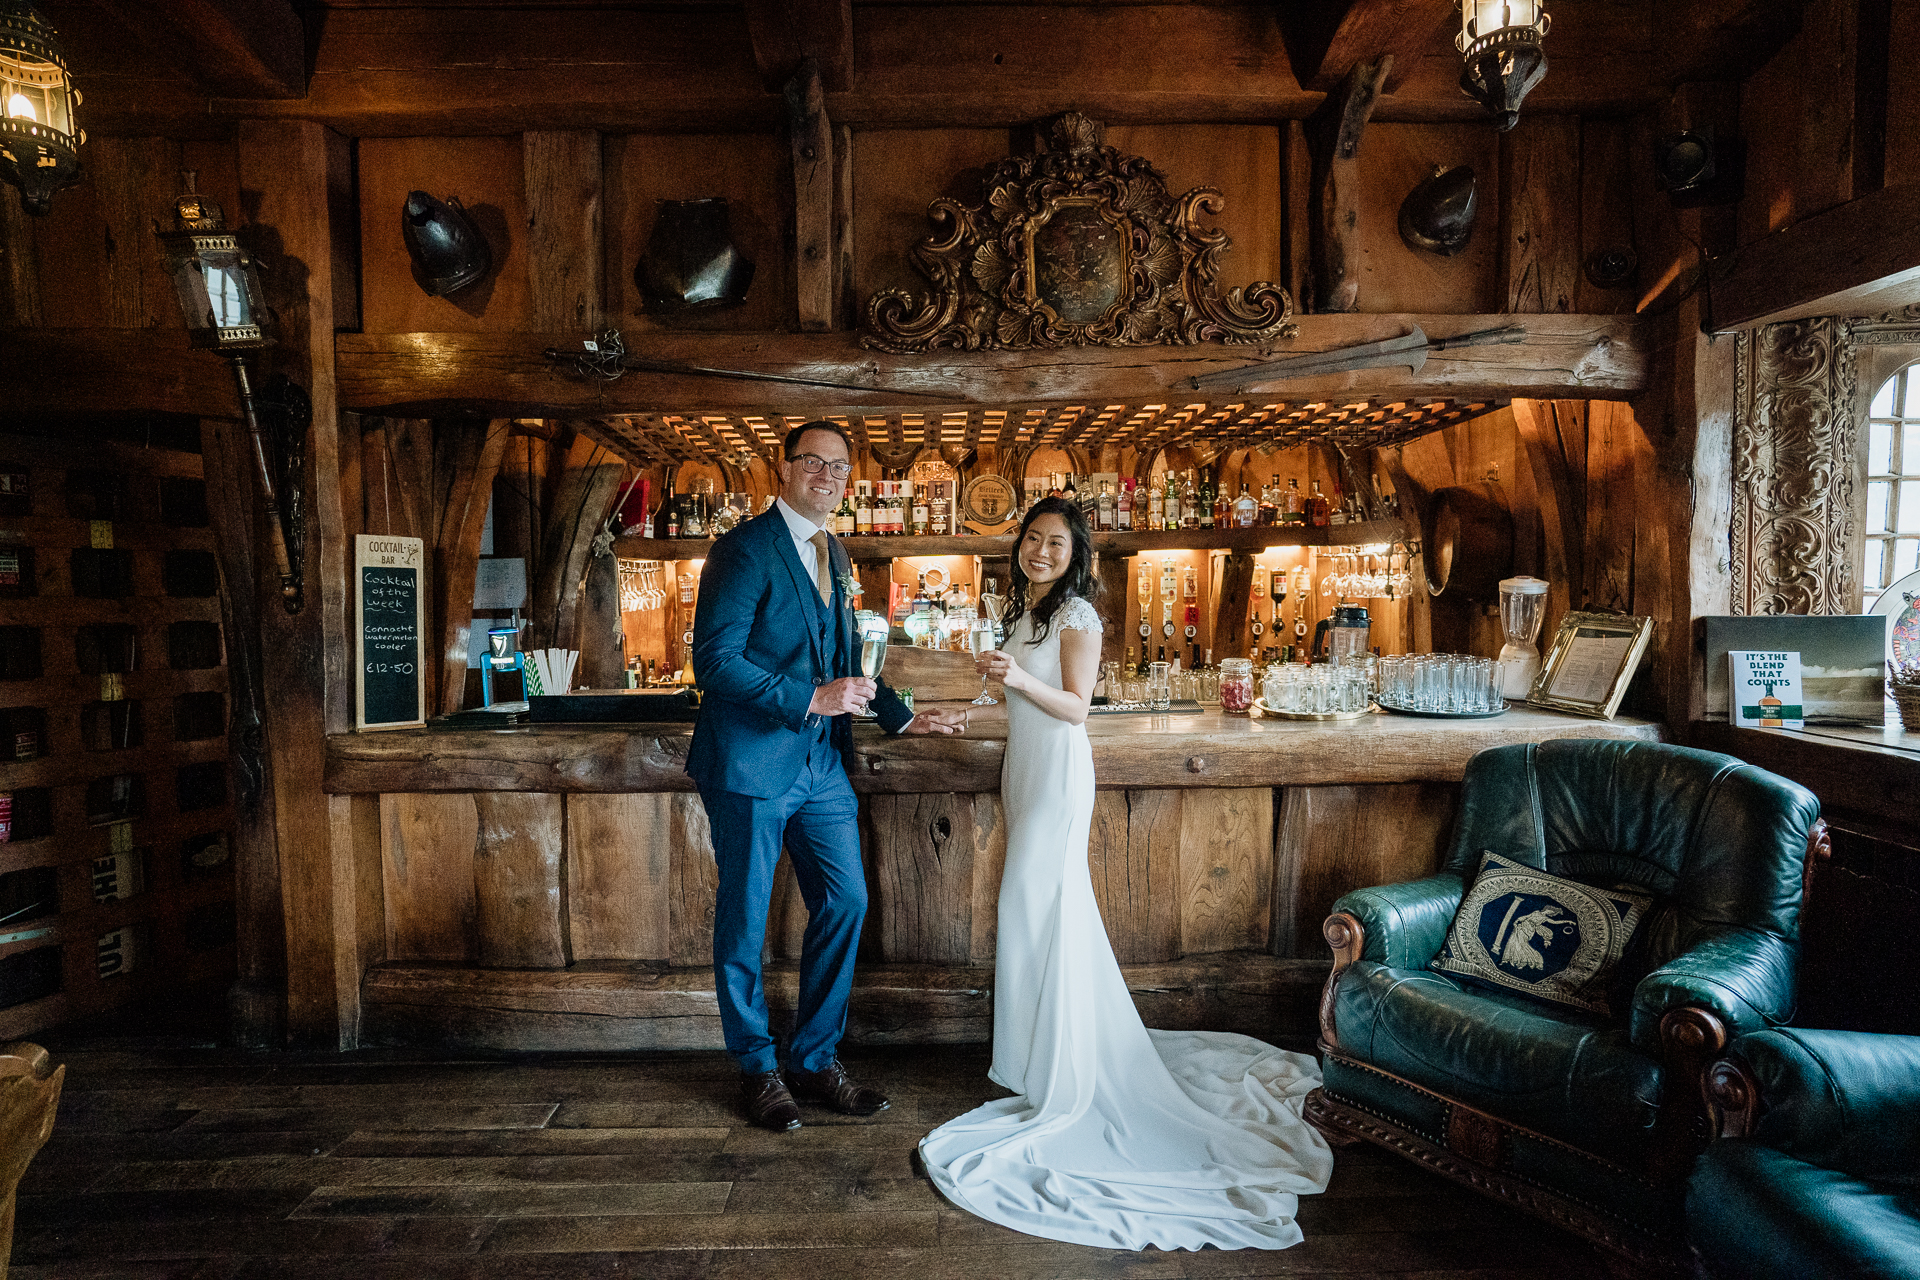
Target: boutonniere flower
point(850, 586)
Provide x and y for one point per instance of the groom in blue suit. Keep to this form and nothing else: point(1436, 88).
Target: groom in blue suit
point(777, 658)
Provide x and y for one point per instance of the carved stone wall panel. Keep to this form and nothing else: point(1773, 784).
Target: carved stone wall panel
point(1798, 492)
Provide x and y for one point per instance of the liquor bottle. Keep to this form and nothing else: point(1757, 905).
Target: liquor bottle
point(1190, 586)
point(1123, 507)
point(863, 508)
point(1190, 503)
point(1208, 665)
point(1167, 584)
point(1295, 511)
point(844, 519)
point(1170, 503)
point(1259, 588)
point(1156, 507)
point(1319, 510)
point(1145, 592)
point(1221, 517)
point(1069, 492)
point(1338, 514)
point(1054, 489)
point(1246, 511)
point(673, 517)
point(939, 510)
point(897, 510)
point(1257, 627)
point(1269, 513)
point(1161, 654)
point(1195, 664)
point(693, 522)
point(1104, 506)
point(1131, 671)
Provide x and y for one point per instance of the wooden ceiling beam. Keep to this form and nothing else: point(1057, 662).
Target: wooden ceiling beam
point(785, 33)
point(504, 375)
point(230, 48)
point(1860, 258)
point(1326, 40)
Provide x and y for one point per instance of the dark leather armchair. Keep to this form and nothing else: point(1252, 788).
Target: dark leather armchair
point(1589, 1121)
point(1820, 1155)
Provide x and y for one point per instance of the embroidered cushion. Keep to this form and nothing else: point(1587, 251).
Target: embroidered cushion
point(1523, 929)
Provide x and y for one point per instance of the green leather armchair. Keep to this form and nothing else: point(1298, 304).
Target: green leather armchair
point(1820, 1155)
point(1588, 1121)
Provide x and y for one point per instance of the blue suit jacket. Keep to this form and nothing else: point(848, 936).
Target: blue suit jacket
point(762, 640)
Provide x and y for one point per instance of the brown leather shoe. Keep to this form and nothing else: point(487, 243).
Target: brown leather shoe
point(831, 1086)
point(768, 1103)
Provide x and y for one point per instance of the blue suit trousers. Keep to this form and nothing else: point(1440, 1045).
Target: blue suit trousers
point(817, 820)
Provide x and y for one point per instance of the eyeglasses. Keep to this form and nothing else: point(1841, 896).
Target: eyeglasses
point(813, 466)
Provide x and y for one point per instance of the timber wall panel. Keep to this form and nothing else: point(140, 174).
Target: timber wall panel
point(696, 881)
point(1396, 158)
point(488, 175)
point(519, 880)
point(1335, 839)
point(923, 870)
point(1226, 869)
point(747, 169)
point(1243, 162)
point(1135, 861)
point(427, 844)
point(619, 876)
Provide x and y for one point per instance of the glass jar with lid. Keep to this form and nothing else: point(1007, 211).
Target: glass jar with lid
point(1236, 685)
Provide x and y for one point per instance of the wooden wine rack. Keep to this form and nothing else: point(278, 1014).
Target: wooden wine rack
point(117, 873)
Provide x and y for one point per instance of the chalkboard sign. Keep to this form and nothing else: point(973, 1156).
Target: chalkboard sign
point(388, 601)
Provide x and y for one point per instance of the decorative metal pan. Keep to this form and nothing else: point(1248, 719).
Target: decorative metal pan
point(1442, 715)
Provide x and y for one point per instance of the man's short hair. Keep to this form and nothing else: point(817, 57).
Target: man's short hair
point(790, 448)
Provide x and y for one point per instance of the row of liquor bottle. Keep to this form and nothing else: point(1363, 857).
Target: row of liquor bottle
point(1186, 500)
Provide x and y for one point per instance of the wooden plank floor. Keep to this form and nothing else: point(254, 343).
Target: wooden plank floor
point(176, 1161)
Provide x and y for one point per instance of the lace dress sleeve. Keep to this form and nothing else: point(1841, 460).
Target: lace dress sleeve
point(1080, 615)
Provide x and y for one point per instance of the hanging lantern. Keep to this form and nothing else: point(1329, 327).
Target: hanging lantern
point(213, 277)
point(1499, 45)
point(39, 139)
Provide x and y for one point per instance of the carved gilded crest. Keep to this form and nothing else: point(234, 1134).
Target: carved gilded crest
point(1076, 245)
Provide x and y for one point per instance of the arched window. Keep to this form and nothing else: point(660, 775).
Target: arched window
point(1893, 484)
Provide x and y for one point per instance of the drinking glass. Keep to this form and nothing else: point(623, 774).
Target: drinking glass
point(1159, 689)
point(979, 641)
point(873, 652)
point(1495, 691)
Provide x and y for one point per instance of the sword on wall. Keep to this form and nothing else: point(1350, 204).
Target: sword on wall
point(1409, 349)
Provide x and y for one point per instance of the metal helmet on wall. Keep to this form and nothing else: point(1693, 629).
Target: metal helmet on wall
point(691, 262)
point(447, 250)
point(1437, 216)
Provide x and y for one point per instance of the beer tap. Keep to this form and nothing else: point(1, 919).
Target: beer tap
point(1168, 587)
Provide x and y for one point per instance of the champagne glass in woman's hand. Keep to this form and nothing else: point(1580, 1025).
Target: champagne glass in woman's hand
point(979, 641)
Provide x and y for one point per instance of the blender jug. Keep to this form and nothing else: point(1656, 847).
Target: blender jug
point(1523, 603)
point(1342, 636)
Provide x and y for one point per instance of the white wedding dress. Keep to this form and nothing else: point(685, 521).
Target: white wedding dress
point(1120, 1137)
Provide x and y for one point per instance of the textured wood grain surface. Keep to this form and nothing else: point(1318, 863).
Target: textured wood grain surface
point(1181, 751)
point(430, 371)
point(519, 881)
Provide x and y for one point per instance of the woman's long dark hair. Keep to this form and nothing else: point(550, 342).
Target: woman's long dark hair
point(1078, 580)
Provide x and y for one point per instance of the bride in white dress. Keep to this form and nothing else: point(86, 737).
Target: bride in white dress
point(1120, 1137)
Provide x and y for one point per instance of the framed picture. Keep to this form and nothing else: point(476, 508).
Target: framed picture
point(1594, 656)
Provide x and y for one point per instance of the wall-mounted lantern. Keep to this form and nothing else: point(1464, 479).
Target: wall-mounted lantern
point(39, 138)
point(219, 293)
point(1499, 45)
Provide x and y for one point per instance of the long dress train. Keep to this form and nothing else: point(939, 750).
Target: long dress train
point(1121, 1136)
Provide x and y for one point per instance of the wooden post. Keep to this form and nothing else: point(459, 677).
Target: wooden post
point(1230, 614)
point(810, 144)
point(583, 496)
point(564, 255)
point(256, 1003)
point(1540, 214)
point(306, 661)
point(466, 458)
point(1333, 135)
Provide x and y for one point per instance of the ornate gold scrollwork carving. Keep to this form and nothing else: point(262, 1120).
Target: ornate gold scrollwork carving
point(1076, 245)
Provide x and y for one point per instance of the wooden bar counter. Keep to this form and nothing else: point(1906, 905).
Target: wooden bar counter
point(552, 887)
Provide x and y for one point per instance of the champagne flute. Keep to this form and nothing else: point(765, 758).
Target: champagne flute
point(979, 641)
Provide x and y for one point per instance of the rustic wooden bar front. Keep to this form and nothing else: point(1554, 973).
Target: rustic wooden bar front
point(552, 887)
